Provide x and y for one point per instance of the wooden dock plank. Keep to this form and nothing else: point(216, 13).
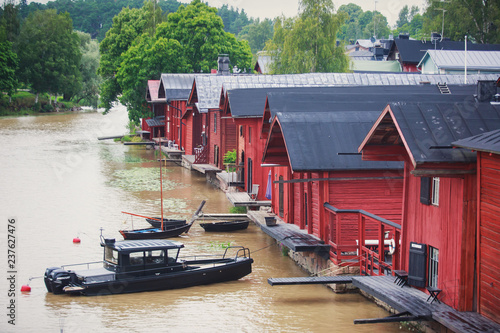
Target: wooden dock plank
point(470, 322)
point(309, 280)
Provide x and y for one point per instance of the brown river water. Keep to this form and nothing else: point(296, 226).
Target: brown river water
point(59, 182)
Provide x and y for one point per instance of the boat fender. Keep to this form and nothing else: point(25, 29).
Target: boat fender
point(392, 246)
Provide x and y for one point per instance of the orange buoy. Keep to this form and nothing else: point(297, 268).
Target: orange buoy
point(76, 240)
point(25, 288)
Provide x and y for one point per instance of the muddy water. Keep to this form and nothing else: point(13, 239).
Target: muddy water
point(59, 182)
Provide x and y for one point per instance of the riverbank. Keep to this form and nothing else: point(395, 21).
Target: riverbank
point(22, 103)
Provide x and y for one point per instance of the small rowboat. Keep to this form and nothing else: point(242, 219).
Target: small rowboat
point(225, 226)
point(156, 233)
point(156, 222)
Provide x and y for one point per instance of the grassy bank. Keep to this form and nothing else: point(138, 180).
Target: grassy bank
point(23, 103)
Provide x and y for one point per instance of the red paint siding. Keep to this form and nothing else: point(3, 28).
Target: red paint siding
point(442, 227)
point(489, 237)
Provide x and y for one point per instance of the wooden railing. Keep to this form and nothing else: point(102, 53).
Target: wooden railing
point(201, 155)
point(359, 235)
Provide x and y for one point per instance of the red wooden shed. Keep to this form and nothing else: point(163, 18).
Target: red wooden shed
point(487, 146)
point(439, 212)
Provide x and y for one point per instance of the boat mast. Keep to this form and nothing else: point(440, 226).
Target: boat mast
point(161, 188)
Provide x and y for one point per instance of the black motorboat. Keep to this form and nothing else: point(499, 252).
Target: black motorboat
point(147, 265)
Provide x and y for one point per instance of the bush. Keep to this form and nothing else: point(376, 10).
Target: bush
point(47, 108)
point(238, 210)
point(230, 157)
point(126, 138)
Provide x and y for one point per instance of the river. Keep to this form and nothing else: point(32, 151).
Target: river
point(59, 182)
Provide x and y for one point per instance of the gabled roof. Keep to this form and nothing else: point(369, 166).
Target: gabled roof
point(427, 130)
point(263, 64)
point(176, 86)
point(206, 91)
point(152, 92)
point(361, 55)
point(412, 51)
point(476, 60)
point(488, 142)
point(315, 141)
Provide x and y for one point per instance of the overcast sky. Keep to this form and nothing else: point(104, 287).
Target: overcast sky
point(272, 8)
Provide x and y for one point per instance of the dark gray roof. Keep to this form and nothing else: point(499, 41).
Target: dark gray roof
point(412, 51)
point(315, 139)
point(426, 125)
point(488, 142)
point(177, 86)
point(250, 102)
point(368, 98)
point(155, 122)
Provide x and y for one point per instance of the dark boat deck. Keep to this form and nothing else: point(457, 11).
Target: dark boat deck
point(414, 302)
point(291, 236)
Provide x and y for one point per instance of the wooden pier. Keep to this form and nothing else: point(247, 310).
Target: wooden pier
point(291, 236)
point(412, 305)
point(310, 280)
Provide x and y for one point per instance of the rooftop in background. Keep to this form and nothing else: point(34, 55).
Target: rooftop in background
point(455, 60)
point(152, 91)
point(412, 51)
point(176, 86)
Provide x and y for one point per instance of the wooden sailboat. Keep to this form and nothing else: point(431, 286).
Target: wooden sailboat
point(163, 231)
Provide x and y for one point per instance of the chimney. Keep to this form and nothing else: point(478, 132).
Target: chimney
point(223, 67)
point(486, 90)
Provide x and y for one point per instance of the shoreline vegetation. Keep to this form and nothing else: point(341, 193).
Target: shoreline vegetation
point(22, 103)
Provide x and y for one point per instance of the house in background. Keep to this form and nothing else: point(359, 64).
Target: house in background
point(410, 52)
point(487, 146)
point(154, 126)
point(440, 190)
point(457, 62)
point(263, 64)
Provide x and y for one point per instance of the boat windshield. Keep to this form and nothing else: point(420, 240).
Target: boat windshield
point(111, 255)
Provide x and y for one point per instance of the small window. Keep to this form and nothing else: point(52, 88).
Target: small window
point(155, 257)
point(215, 122)
point(433, 267)
point(111, 255)
point(435, 191)
point(136, 258)
point(425, 190)
point(249, 135)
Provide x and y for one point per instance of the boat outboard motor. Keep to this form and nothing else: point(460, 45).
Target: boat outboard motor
point(59, 278)
point(46, 277)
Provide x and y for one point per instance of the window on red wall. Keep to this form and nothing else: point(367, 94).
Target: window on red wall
point(215, 122)
point(249, 135)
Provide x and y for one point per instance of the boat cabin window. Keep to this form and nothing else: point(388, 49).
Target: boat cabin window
point(136, 258)
point(155, 257)
point(111, 255)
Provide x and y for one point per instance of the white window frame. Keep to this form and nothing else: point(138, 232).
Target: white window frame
point(435, 191)
point(432, 278)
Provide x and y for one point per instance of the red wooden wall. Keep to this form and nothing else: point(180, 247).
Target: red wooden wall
point(489, 236)
point(448, 227)
point(252, 145)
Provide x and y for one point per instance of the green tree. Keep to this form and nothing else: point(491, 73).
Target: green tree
point(145, 60)
point(127, 26)
point(257, 34)
point(307, 43)
point(89, 92)
point(8, 65)
point(49, 53)
point(201, 33)
point(9, 22)
point(479, 20)
point(378, 26)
